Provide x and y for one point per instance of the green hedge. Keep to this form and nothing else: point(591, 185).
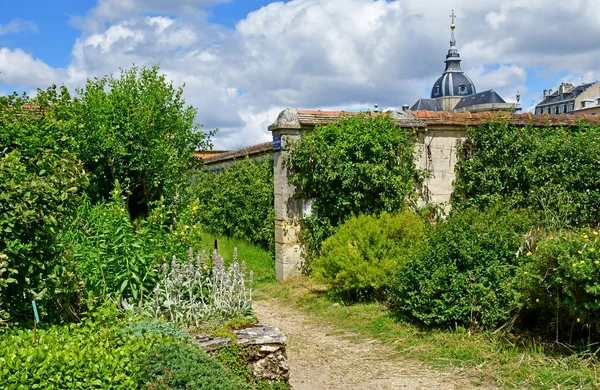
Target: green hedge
point(465, 274)
point(552, 169)
point(85, 356)
point(179, 366)
point(561, 286)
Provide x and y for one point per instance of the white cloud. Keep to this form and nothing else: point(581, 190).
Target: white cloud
point(325, 53)
point(16, 26)
point(21, 69)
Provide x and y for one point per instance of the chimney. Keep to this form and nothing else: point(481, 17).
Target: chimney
point(563, 88)
point(550, 92)
point(405, 107)
point(545, 93)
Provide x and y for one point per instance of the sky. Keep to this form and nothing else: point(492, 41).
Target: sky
point(244, 61)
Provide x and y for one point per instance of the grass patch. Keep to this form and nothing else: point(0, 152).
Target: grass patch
point(510, 361)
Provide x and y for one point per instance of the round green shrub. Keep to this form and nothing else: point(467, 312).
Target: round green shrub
point(177, 365)
point(359, 260)
point(464, 276)
point(561, 285)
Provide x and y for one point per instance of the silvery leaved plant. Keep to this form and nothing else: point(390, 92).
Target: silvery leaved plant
point(193, 292)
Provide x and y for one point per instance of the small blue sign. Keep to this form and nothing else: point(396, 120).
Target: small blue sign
point(276, 143)
point(35, 312)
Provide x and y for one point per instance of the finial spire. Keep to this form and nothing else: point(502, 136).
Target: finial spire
point(452, 27)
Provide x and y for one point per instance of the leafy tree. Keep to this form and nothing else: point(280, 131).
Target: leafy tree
point(41, 182)
point(135, 129)
point(236, 202)
point(360, 164)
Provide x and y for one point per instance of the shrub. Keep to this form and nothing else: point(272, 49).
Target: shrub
point(84, 356)
point(561, 285)
point(178, 366)
point(464, 276)
point(360, 259)
point(361, 164)
point(235, 202)
point(550, 169)
point(39, 193)
point(191, 293)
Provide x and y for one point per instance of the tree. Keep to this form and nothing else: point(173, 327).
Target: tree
point(360, 164)
point(135, 129)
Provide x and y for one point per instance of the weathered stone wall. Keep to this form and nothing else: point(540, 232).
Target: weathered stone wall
point(438, 137)
point(264, 350)
point(435, 152)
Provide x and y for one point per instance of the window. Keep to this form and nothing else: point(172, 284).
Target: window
point(462, 89)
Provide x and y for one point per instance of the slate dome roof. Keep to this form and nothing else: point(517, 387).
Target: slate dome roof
point(453, 84)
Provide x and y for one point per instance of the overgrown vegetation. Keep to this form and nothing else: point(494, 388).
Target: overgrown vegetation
point(134, 129)
point(361, 164)
point(93, 202)
point(176, 365)
point(236, 202)
point(465, 274)
point(551, 169)
point(359, 260)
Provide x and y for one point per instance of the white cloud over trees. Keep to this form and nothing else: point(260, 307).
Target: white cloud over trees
point(321, 53)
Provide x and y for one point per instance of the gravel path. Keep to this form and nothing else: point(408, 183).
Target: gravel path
point(321, 357)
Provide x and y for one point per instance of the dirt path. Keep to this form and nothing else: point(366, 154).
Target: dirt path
point(324, 358)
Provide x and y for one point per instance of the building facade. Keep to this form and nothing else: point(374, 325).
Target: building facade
point(570, 99)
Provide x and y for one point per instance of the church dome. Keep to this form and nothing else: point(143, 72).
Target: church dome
point(453, 82)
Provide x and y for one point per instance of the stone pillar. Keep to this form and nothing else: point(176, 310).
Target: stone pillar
point(288, 202)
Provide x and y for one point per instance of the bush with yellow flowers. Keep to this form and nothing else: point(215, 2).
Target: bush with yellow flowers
point(561, 284)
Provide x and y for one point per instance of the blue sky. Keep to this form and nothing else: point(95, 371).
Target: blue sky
point(243, 61)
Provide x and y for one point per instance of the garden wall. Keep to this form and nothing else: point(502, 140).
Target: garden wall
point(438, 136)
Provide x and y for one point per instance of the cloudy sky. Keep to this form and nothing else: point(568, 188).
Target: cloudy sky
point(243, 61)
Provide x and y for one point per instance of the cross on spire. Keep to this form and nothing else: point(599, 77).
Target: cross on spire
point(453, 16)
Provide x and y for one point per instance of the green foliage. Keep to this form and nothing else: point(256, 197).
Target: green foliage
point(40, 185)
point(134, 129)
point(88, 355)
point(360, 259)
point(551, 169)
point(178, 366)
point(236, 202)
point(114, 257)
point(561, 285)
point(464, 276)
point(3, 284)
point(361, 164)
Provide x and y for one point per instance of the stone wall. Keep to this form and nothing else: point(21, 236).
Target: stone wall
point(438, 137)
point(264, 350)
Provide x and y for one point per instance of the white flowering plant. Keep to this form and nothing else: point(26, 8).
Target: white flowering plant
point(193, 292)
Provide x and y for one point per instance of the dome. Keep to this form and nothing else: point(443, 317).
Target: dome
point(453, 81)
point(452, 84)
